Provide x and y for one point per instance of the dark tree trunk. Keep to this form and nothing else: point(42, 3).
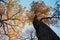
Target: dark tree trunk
point(43, 31)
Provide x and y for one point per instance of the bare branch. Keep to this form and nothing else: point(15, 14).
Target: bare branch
point(48, 18)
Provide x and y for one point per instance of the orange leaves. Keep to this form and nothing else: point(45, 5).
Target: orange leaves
point(1, 11)
point(30, 15)
point(40, 9)
point(13, 34)
point(16, 22)
point(13, 19)
point(9, 13)
point(11, 4)
point(21, 11)
point(1, 8)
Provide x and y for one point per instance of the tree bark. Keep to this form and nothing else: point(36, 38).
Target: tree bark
point(43, 31)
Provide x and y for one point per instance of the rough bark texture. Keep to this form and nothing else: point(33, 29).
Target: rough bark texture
point(43, 31)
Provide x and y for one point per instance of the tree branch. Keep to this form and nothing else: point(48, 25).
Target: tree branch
point(48, 18)
point(11, 19)
point(10, 25)
point(4, 29)
point(14, 15)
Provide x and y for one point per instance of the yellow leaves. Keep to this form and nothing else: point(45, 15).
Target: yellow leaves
point(17, 16)
point(10, 32)
point(10, 13)
point(30, 16)
point(1, 8)
point(1, 11)
point(12, 20)
point(40, 9)
point(13, 34)
point(21, 11)
point(11, 4)
point(16, 22)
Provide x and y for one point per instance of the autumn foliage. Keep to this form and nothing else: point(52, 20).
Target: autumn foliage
point(40, 9)
point(12, 19)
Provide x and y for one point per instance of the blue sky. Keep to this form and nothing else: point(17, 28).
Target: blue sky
point(27, 3)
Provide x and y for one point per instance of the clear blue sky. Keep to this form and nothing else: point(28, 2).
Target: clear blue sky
point(27, 3)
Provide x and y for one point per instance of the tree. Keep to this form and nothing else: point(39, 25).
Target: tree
point(40, 9)
point(56, 11)
point(11, 18)
point(41, 20)
point(43, 14)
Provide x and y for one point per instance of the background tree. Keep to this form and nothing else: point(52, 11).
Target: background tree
point(56, 12)
point(42, 11)
point(11, 18)
point(41, 19)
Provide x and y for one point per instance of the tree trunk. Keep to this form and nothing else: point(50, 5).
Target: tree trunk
point(43, 31)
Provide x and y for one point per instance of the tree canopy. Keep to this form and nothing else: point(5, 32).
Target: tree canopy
point(11, 18)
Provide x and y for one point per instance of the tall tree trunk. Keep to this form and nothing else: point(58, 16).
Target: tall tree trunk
point(43, 31)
